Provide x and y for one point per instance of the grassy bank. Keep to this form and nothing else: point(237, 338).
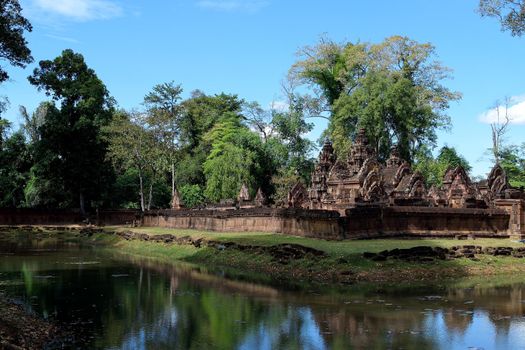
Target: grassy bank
point(342, 262)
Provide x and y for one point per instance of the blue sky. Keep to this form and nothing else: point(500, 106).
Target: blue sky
point(247, 46)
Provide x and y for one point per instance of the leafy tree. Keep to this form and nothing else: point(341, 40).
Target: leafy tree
point(290, 128)
point(14, 169)
point(510, 13)
point(200, 113)
point(512, 159)
point(132, 147)
point(71, 151)
point(392, 89)
point(434, 169)
point(13, 45)
point(164, 118)
point(192, 195)
point(237, 157)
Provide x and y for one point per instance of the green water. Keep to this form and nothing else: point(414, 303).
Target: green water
point(109, 301)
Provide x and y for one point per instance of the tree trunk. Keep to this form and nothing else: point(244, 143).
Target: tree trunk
point(141, 191)
point(82, 204)
point(150, 197)
point(172, 180)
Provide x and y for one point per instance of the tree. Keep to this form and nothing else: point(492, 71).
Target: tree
point(392, 89)
point(164, 118)
point(13, 45)
point(71, 150)
point(499, 128)
point(510, 13)
point(199, 115)
point(132, 146)
point(237, 157)
point(434, 169)
point(512, 160)
point(14, 166)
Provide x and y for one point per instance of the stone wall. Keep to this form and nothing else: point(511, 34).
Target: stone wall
point(516, 209)
point(299, 222)
point(65, 217)
point(362, 222)
point(359, 222)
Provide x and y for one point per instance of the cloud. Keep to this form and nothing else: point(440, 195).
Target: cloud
point(63, 38)
point(80, 10)
point(233, 5)
point(516, 112)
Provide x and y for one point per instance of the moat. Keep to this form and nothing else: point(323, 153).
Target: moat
point(110, 301)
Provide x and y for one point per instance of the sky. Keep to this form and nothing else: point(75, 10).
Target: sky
point(246, 47)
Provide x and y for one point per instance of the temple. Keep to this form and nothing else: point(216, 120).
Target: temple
point(339, 184)
point(358, 197)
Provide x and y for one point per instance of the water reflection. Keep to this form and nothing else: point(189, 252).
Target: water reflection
point(115, 302)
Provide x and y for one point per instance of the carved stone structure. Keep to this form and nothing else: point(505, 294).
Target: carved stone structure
point(244, 194)
point(175, 200)
point(339, 184)
point(260, 199)
point(298, 196)
point(360, 180)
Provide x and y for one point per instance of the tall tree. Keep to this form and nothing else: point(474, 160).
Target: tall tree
point(392, 89)
point(510, 13)
point(499, 128)
point(71, 150)
point(130, 147)
point(13, 45)
point(164, 118)
point(237, 157)
point(200, 114)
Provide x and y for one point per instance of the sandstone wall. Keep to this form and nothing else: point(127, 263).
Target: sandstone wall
point(64, 217)
point(300, 222)
point(426, 221)
point(360, 222)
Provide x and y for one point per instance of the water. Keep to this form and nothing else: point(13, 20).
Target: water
point(117, 302)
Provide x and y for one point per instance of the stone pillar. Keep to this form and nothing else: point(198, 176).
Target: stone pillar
point(516, 210)
point(175, 201)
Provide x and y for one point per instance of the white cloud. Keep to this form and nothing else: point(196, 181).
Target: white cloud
point(63, 38)
point(516, 112)
point(233, 5)
point(80, 10)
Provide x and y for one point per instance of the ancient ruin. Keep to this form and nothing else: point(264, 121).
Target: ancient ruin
point(339, 184)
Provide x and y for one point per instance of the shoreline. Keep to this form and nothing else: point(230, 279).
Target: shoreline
point(21, 329)
point(300, 260)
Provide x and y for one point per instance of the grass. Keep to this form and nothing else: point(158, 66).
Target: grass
point(344, 262)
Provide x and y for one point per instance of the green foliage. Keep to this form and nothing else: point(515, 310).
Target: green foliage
point(283, 181)
point(201, 112)
point(192, 196)
point(512, 160)
point(433, 170)
point(510, 13)
point(15, 164)
point(289, 146)
point(13, 45)
point(236, 157)
point(392, 89)
point(70, 150)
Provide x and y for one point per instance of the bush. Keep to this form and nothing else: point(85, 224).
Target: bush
point(191, 195)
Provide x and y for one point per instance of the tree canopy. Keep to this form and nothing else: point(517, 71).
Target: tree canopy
point(13, 45)
point(510, 13)
point(392, 89)
point(70, 149)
